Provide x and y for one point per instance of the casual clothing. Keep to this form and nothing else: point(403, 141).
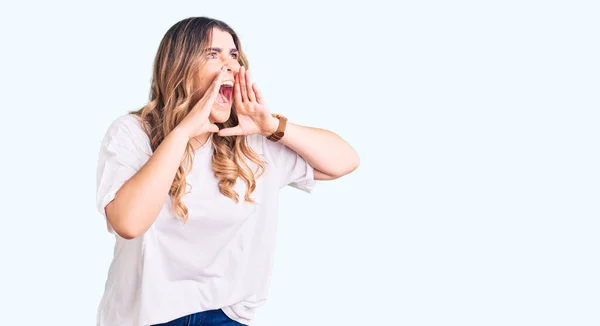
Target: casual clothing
point(206, 318)
point(221, 258)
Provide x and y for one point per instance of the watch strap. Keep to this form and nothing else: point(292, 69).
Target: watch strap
point(279, 133)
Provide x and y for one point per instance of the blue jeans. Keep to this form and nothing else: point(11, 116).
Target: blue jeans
point(206, 318)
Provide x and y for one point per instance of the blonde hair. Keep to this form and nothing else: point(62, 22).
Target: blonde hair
point(176, 63)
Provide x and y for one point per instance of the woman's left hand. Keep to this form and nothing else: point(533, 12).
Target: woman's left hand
point(253, 114)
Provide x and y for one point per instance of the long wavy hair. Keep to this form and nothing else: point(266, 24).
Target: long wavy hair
point(176, 65)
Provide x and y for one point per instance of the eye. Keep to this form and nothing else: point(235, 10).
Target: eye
point(235, 55)
point(212, 55)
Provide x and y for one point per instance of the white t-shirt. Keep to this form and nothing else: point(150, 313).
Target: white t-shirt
point(221, 258)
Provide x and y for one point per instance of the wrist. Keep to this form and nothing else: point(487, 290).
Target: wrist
point(179, 133)
point(271, 126)
point(280, 131)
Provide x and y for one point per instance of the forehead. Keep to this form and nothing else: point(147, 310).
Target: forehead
point(221, 39)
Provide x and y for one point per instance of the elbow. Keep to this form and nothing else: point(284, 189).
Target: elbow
point(127, 234)
point(351, 165)
point(128, 230)
point(355, 162)
point(124, 231)
point(121, 222)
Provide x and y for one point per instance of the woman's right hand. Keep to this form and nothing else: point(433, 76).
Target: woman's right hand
point(196, 122)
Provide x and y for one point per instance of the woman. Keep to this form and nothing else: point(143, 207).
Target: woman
point(189, 184)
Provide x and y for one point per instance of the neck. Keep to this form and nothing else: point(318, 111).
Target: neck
point(200, 140)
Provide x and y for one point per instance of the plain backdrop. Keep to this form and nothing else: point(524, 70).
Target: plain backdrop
point(476, 201)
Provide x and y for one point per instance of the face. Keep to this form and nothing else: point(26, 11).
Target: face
point(222, 52)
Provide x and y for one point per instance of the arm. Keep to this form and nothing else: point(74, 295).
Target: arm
point(139, 200)
point(329, 154)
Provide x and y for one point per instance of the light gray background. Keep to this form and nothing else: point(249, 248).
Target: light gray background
point(476, 202)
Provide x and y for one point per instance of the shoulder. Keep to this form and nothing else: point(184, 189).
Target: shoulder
point(255, 142)
point(261, 145)
point(127, 122)
point(274, 153)
point(127, 130)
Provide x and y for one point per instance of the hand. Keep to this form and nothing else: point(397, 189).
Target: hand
point(196, 122)
point(253, 115)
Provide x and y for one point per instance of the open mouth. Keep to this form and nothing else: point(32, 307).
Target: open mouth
point(225, 94)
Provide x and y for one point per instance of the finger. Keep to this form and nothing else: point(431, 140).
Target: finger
point(251, 96)
point(214, 88)
point(259, 97)
point(237, 95)
point(210, 95)
point(233, 131)
point(243, 86)
point(211, 127)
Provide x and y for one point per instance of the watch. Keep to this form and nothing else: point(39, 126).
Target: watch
point(278, 134)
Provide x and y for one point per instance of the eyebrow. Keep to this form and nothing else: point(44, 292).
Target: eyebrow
point(221, 50)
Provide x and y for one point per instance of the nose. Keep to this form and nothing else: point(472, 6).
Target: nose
point(232, 66)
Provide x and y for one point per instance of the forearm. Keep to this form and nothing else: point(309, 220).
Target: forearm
point(140, 199)
point(324, 150)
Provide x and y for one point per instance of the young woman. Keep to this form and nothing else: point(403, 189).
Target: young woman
point(189, 186)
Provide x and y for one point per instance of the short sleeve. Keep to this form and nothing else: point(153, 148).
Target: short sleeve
point(290, 167)
point(125, 148)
